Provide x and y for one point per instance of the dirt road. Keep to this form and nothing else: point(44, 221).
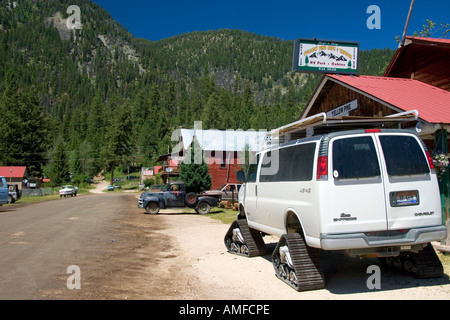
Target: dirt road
point(124, 254)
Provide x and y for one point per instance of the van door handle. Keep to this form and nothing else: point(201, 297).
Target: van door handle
point(256, 190)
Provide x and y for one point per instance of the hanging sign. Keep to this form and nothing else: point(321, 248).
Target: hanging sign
point(343, 110)
point(325, 56)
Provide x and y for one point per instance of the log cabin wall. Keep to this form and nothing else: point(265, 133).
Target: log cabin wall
point(334, 95)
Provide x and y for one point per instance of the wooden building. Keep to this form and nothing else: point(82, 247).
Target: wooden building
point(15, 175)
point(223, 152)
point(417, 78)
point(381, 96)
point(423, 59)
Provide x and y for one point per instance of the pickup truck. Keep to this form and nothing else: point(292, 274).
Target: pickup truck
point(3, 191)
point(175, 196)
point(228, 191)
point(14, 193)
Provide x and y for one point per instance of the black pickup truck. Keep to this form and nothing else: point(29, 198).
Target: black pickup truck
point(175, 196)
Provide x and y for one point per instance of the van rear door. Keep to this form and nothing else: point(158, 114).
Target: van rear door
point(381, 181)
point(411, 188)
point(355, 193)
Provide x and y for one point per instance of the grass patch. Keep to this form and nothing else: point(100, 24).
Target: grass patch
point(227, 216)
point(84, 189)
point(31, 199)
point(445, 260)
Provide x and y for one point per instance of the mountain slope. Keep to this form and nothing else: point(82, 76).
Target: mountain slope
point(83, 78)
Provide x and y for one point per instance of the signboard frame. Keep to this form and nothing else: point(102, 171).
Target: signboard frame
point(342, 52)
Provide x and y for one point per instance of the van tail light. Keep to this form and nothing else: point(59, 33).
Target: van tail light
point(430, 159)
point(322, 168)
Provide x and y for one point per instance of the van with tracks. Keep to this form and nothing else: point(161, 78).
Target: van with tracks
point(371, 192)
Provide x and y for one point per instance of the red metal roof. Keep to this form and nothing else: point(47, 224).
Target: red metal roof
point(17, 172)
point(432, 103)
point(433, 40)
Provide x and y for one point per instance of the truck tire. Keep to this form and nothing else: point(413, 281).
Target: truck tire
point(191, 199)
point(152, 207)
point(203, 207)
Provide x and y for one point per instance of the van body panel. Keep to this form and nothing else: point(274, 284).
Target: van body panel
point(277, 199)
point(265, 228)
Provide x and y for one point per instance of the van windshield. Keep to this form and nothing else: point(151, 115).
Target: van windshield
point(355, 158)
point(403, 155)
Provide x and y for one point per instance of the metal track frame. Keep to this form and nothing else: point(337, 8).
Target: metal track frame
point(253, 244)
point(307, 273)
point(424, 264)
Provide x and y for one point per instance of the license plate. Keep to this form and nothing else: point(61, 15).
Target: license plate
point(404, 198)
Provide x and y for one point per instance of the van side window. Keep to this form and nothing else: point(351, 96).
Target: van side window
point(295, 164)
point(403, 155)
point(355, 158)
point(252, 169)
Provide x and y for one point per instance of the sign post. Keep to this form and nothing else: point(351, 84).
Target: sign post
point(325, 56)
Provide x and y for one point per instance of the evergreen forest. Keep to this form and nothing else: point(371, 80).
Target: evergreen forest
point(95, 98)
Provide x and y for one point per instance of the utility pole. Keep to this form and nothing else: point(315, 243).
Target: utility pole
point(402, 42)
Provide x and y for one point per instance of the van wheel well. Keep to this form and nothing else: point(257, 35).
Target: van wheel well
point(293, 224)
point(241, 212)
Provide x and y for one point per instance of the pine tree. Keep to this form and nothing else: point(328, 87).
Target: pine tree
point(194, 171)
point(211, 113)
point(117, 147)
point(23, 128)
point(58, 170)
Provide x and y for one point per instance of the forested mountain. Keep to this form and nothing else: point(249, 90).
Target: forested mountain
point(97, 97)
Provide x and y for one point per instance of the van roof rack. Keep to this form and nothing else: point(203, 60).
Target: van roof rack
point(321, 124)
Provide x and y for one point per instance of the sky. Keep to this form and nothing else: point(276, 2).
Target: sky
point(336, 20)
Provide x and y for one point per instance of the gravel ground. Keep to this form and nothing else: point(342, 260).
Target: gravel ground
point(203, 269)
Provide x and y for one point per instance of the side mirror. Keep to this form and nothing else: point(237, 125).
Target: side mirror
point(240, 176)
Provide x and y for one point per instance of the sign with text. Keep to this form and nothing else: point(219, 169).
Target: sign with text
point(325, 56)
point(343, 110)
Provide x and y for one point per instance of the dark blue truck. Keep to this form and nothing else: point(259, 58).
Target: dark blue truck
point(3, 191)
point(175, 196)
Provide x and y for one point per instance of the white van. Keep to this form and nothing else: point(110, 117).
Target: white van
point(371, 193)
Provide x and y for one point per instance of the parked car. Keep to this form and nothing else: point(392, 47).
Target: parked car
point(110, 188)
point(68, 190)
point(227, 191)
point(14, 193)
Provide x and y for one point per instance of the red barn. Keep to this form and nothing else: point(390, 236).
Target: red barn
point(223, 151)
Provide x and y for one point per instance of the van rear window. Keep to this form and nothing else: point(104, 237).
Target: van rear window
point(355, 158)
point(403, 155)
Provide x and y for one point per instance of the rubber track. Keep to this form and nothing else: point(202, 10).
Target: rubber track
point(426, 263)
point(306, 263)
point(253, 239)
